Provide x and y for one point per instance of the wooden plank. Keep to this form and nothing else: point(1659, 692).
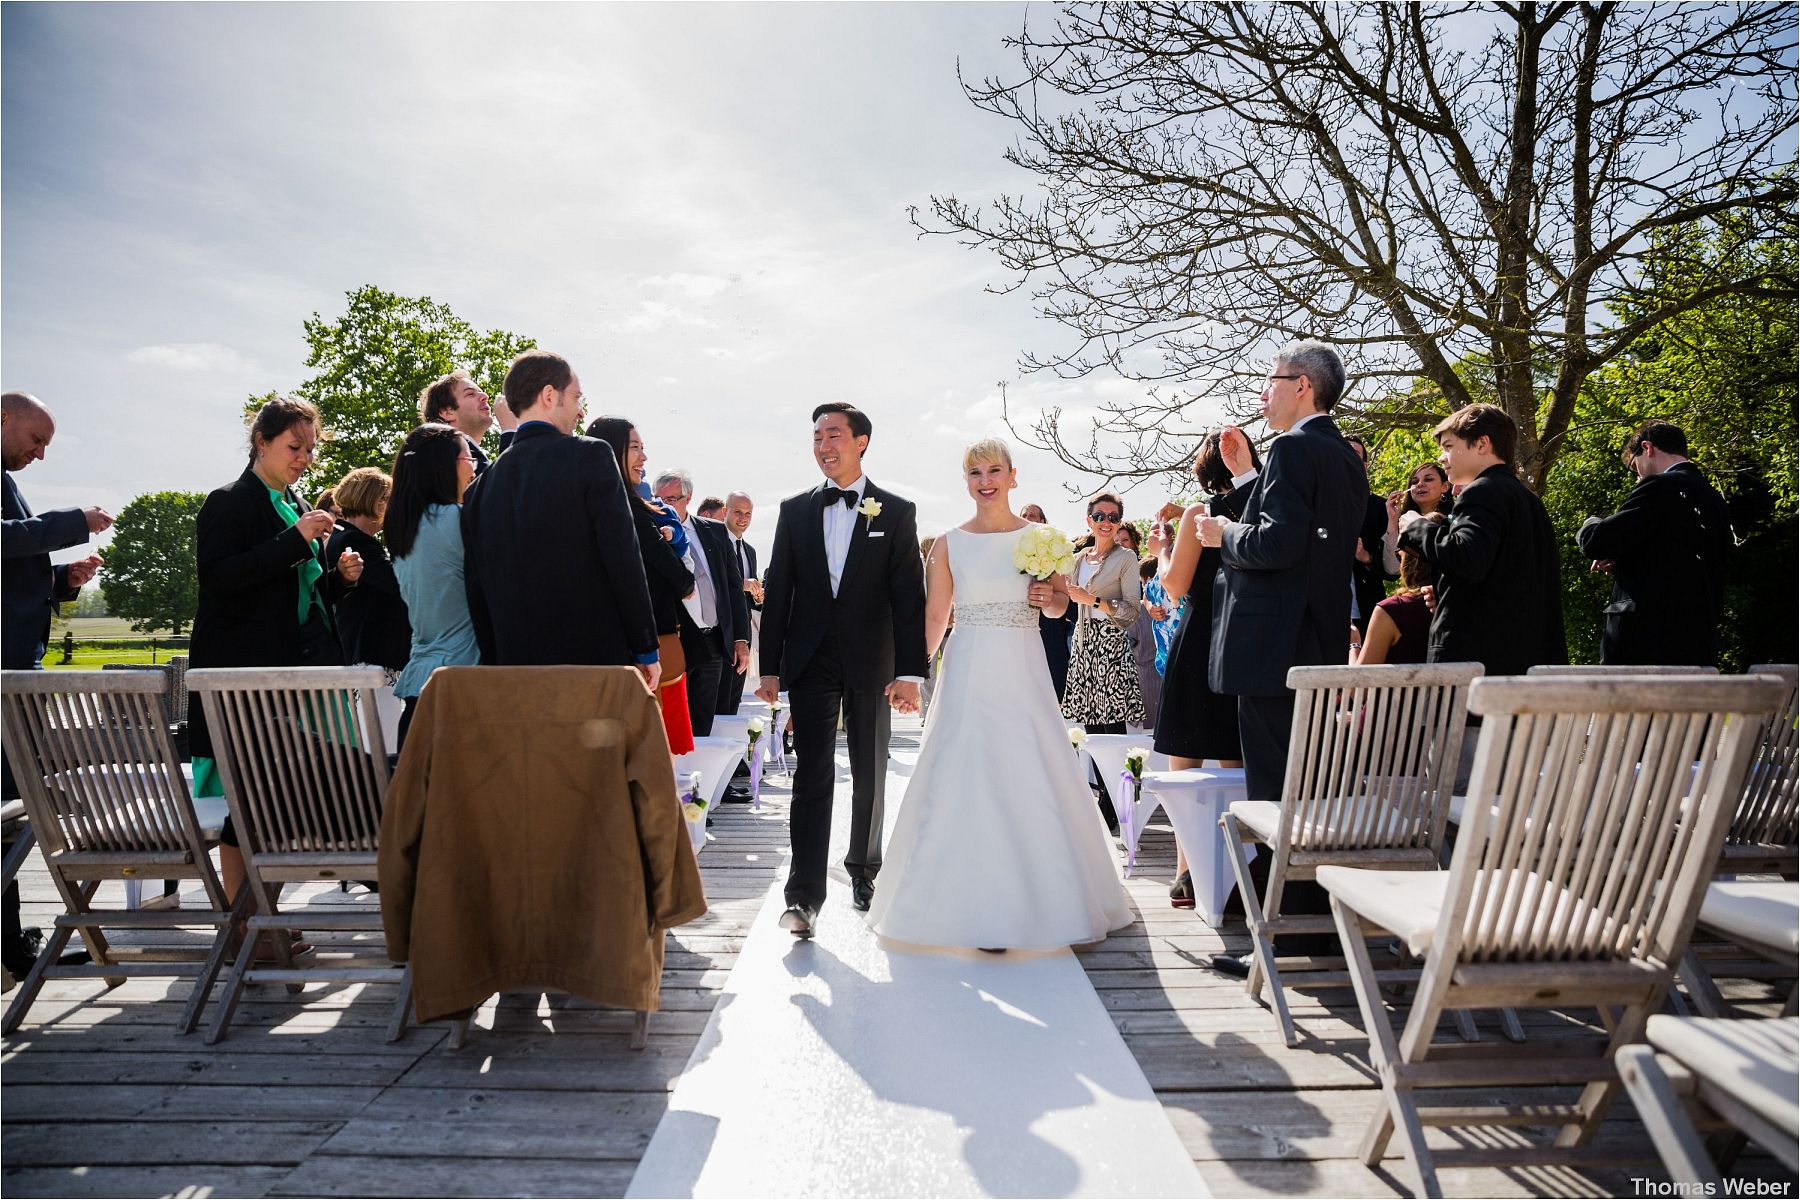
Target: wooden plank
point(486, 1123)
point(184, 1066)
point(179, 1102)
point(367, 1175)
point(198, 1179)
point(165, 1143)
point(565, 1062)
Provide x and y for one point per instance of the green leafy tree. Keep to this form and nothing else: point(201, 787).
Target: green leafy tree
point(1725, 372)
point(370, 365)
point(150, 576)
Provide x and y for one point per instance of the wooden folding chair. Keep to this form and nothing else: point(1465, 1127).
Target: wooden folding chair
point(305, 770)
point(1741, 1072)
point(1765, 833)
point(97, 772)
point(1590, 670)
point(1579, 886)
point(1371, 759)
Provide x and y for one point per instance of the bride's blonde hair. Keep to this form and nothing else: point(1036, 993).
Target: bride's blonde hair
point(988, 450)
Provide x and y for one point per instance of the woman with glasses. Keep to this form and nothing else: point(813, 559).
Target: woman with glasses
point(1196, 723)
point(1102, 692)
point(424, 536)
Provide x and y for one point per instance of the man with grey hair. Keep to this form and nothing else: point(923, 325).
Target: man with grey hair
point(1282, 598)
point(715, 627)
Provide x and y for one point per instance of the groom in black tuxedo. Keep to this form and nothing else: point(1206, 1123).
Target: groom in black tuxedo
point(843, 631)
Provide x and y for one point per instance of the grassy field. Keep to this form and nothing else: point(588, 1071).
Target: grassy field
point(88, 657)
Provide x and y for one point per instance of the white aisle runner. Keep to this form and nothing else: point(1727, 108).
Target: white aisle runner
point(840, 1067)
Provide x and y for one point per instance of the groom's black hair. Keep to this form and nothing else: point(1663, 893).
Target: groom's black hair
point(860, 425)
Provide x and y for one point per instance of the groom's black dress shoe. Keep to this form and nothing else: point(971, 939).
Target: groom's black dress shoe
point(735, 794)
point(1232, 964)
point(798, 920)
point(861, 893)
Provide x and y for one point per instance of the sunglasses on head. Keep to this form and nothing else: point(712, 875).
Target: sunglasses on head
point(1101, 516)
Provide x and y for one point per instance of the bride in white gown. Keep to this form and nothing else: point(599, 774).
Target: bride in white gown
point(998, 844)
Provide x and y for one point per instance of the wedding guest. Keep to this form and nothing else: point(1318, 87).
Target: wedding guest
point(1056, 631)
point(1427, 491)
point(1400, 630)
point(327, 503)
point(668, 577)
point(1665, 549)
point(423, 529)
point(1195, 723)
point(550, 548)
point(1103, 693)
point(712, 508)
point(715, 639)
point(1127, 535)
point(265, 590)
point(1498, 574)
point(371, 617)
point(1283, 595)
point(458, 401)
point(1368, 573)
point(1165, 614)
point(1143, 644)
point(738, 511)
point(30, 590)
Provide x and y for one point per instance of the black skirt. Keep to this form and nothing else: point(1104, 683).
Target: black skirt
point(1192, 720)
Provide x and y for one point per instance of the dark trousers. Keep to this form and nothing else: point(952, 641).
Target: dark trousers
point(817, 697)
point(705, 662)
point(1264, 725)
point(731, 690)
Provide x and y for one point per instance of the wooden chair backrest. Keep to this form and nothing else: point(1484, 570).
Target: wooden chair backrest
point(1373, 754)
point(1591, 850)
point(301, 755)
point(1591, 669)
point(1769, 812)
point(94, 763)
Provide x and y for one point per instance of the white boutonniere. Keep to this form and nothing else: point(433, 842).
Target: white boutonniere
point(870, 508)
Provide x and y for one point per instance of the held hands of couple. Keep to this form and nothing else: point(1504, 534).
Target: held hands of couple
point(903, 694)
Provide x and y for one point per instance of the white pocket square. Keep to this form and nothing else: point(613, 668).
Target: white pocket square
point(877, 533)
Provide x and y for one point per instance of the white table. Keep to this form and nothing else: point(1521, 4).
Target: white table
point(1106, 751)
point(1194, 800)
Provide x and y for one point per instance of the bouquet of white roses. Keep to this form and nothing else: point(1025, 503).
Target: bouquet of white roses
point(1042, 552)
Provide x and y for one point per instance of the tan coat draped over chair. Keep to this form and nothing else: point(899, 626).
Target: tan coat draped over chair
point(532, 839)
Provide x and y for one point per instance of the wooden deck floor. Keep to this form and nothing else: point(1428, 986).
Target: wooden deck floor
point(101, 1098)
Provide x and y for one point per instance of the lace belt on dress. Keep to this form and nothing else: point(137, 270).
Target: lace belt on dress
point(1003, 615)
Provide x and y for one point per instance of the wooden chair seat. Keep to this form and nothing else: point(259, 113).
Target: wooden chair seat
point(1755, 913)
point(1409, 905)
point(1741, 1071)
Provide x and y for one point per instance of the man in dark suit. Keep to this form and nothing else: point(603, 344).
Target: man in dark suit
point(1666, 549)
point(1499, 577)
point(30, 589)
point(738, 511)
point(844, 632)
point(551, 562)
point(457, 400)
point(715, 636)
point(1282, 595)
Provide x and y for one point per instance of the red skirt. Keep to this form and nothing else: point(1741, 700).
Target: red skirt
point(676, 723)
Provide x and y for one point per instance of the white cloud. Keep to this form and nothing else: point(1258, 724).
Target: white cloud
point(716, 352)
point(701, 287)
point(654, 314)
point(193, 356)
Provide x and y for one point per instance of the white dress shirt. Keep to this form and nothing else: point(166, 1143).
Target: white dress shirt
point(840, 523)
point(703, 605)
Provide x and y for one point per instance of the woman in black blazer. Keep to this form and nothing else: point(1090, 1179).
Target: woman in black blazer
point(668, 577)
point(265, 593)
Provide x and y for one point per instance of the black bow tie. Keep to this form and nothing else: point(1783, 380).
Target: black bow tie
point(832, 495)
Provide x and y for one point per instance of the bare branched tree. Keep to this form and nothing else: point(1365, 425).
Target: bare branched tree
point(1452, 193)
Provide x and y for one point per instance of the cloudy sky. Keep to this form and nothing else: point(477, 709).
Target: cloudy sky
point(703, 206)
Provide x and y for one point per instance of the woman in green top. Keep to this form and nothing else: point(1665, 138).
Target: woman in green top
point(265, 595)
